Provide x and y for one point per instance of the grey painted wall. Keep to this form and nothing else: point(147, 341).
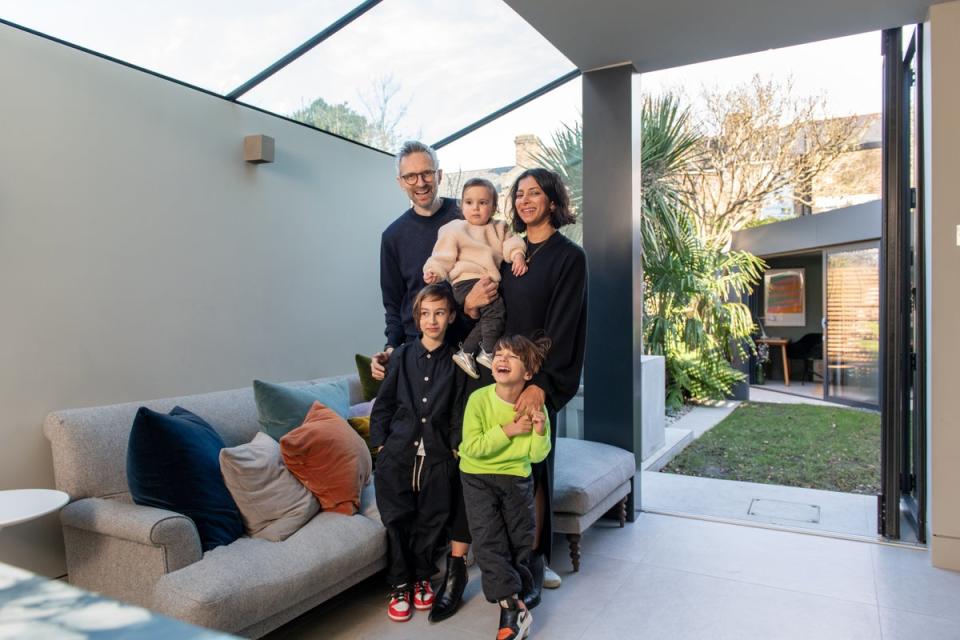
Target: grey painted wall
point(140, 257)
point(857, 223)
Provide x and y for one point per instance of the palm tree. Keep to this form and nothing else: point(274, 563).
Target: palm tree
point(692, 315)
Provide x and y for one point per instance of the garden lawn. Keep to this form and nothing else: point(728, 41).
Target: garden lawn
point(789, 444)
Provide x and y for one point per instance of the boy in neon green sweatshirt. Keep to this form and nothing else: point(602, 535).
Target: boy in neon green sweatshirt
point(496, 451)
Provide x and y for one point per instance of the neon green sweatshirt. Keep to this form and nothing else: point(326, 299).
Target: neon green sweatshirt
point(485, 448)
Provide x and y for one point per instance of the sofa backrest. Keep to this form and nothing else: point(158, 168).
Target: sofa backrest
point(90, 445)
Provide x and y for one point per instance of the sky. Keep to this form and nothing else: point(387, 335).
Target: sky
point(450, 63)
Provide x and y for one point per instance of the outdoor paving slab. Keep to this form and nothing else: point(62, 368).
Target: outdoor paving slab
point(842, 513)
point(702, 418)
point(675, 441)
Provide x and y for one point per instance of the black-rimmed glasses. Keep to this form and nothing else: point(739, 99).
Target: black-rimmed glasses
point(427, 176)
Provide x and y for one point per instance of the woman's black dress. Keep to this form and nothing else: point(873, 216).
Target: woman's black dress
point(550, 298)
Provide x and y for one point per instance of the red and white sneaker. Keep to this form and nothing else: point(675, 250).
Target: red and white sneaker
point(399, 608)
point(423, 595)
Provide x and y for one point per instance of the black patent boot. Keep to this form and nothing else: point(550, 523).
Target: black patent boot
point(531, 598)
point(450, 593)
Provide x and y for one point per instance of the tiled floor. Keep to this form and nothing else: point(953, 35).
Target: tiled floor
point(668, 577)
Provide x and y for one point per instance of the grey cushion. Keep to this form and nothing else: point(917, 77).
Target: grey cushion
point(90, 445)
point(271, 500)
point(587, 473)
point(239, 584)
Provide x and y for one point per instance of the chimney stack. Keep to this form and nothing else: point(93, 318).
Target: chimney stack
point(528, 147)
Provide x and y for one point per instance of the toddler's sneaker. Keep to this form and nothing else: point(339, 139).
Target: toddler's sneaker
point(484, 358)
point(464, 360)
point(399, 608)
point(515, 620)
point(423, 595)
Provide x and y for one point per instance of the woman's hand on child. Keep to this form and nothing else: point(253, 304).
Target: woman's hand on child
point(378, 363)
point(520, 426)
point(483, 293)
point(531, 399)
point(430, 277)
point(519, 265)
point(539, 421)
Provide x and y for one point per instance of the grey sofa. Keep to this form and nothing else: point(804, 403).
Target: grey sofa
point(152, 558)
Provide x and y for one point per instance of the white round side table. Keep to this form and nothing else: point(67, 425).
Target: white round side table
point(22, 505)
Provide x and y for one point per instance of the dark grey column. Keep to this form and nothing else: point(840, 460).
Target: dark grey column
point(611, 238)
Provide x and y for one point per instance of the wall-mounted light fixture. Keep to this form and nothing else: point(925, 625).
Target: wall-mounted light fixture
point(258, 149)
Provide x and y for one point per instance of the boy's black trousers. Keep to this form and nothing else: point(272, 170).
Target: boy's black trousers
point(502, 522)
point(414, 506)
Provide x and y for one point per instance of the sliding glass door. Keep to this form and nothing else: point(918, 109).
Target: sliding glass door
point(852, 327)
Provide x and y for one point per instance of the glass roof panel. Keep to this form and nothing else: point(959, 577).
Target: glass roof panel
point(213, 44)
point(414, 69)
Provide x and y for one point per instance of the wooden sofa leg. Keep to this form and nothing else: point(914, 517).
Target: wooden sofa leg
point(574, 539)
point(623, 511)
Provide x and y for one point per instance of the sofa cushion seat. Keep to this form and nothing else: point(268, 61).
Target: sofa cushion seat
point(587, 473)
point(239, 584)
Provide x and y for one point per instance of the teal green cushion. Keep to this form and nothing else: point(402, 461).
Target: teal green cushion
point(368, 386)
point(282, 409)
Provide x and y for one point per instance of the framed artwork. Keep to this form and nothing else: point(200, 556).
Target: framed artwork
point(784, 298)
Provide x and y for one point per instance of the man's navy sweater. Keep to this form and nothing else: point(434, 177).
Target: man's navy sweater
point(404, 247)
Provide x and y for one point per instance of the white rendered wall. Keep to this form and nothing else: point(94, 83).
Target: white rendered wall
point(140, 257)
point(943, 297)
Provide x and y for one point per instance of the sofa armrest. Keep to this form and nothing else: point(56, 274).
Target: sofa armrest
point(113, 544)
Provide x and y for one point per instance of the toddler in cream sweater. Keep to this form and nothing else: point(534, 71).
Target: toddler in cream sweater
point(467, 250)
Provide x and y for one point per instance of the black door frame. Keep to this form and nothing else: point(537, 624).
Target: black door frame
point(902, 388)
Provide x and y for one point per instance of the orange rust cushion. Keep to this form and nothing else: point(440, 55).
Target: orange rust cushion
point(329, 458)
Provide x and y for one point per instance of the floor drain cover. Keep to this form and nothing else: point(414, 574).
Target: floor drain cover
point(781, 510)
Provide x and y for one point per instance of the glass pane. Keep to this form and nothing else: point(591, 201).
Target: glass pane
point(501, 150)
point(414, 69)
point(853, 325)
point(214, 44)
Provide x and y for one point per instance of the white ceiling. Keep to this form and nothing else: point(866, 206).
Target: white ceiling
point(659, 34)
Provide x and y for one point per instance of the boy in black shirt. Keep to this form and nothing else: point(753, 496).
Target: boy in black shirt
point(416, 423)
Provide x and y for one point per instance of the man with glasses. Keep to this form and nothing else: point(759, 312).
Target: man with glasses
point(404, 248)
point(408, 242)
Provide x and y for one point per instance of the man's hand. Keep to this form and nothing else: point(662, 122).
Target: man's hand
point(539, 422)
point(518, 427)
point(378, 363)
point(483, 293)
point(519, 265)
point(430, 277)
point(531, 400)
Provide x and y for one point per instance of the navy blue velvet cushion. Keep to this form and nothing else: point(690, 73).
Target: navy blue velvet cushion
point(173, 463)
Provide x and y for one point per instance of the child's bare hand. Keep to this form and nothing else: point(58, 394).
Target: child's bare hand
point(430, 277)
point(378, 364)
point(538, 420)
point(518, 427)
point(519, 265)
